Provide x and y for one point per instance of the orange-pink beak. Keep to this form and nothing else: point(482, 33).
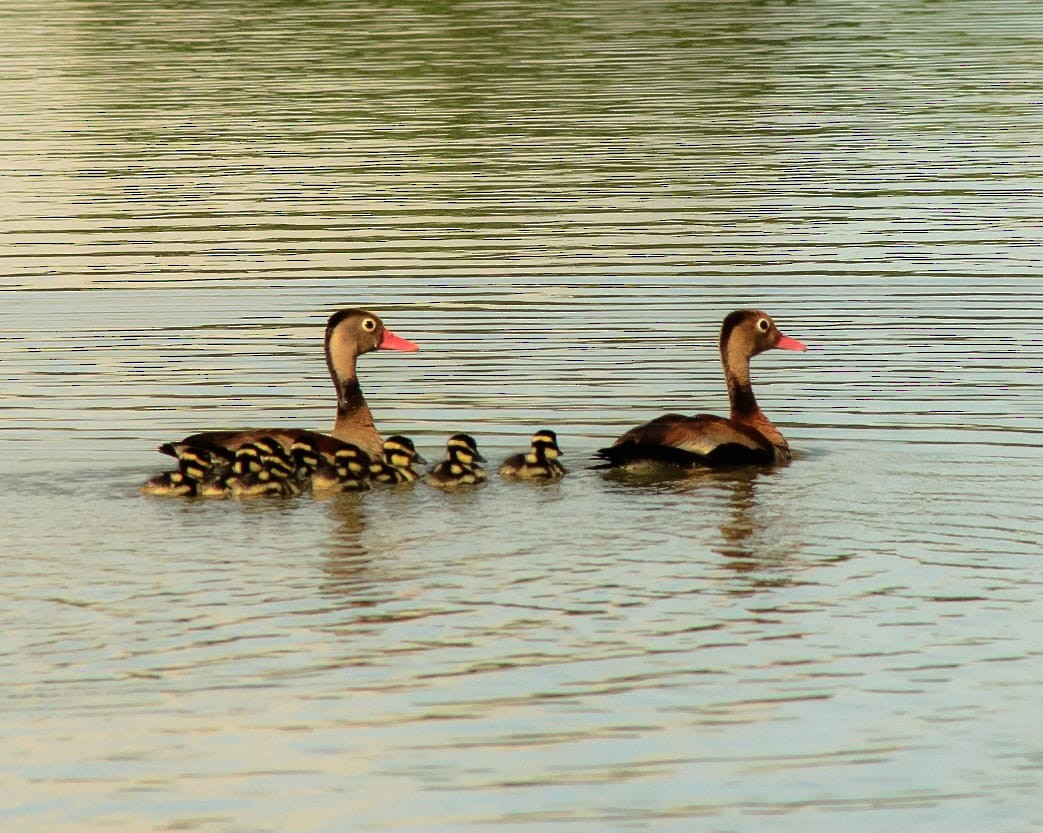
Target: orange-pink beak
point(390, 341)
point(787, 343)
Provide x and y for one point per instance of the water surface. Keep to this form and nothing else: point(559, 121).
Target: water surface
point(559, 204)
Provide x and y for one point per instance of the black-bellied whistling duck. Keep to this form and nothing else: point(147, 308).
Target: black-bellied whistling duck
point(395, 465)
point(539, 463)
point(349, 334)
point(460, 468)
point(746, 437)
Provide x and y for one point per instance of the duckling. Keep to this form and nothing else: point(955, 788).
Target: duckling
point(262, 467)
point(264, 453)
point(194, 468)
point(261, 484)
point(460, 468)
point(396, 463)
point(171, 483)
point(348, 472)
point(274, 456)
point(539, 463)
point(213, 458)
point(306, 457)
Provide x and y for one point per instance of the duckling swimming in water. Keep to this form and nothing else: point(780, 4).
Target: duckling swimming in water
point(396, 462)
point(263, 483)
point(170, 483)
point(213, 458)
point(261, 468)
point(460, 468)
point(539, 463)
point(348, 471)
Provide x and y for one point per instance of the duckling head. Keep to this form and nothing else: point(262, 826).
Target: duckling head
point(398, 449)
point(247, 459)
point(545, 445)
point(353, 461)
point(463, 448)
point(305, 455)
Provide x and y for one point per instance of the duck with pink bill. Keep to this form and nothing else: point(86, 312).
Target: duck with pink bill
point(746, 437)
point(350, 333)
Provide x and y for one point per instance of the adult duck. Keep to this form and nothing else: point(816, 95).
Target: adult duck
point(746, 437)
point(350, 333)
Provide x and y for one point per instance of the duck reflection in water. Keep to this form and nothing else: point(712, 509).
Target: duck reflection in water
point(347, 564)
point(754, 538)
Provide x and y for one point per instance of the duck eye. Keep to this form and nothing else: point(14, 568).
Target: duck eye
point(764, 325)
point(369, 325)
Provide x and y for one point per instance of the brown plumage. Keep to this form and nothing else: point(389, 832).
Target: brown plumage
point(746, 437)
point(349, 334)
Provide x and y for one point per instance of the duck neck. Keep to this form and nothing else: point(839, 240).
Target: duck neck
point(354, 421)
point(744, 406)
point(740, 390)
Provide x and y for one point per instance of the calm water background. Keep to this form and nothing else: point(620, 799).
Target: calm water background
point(559, 201)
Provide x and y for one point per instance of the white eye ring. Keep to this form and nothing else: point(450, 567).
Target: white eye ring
point(369, 325)
point(764, 325)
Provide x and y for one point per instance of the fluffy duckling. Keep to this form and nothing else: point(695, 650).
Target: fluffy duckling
point(396, 462)
point(306, 457)
point(347, 472)
point(195, 468)
point(170, 484)
point(460, 468)
point(214, 459)
point(262, 467)
point(260, 484)
point(539, 463)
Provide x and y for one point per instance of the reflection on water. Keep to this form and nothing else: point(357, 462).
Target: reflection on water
point(559, 205)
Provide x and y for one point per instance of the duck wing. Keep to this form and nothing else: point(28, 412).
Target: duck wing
point(701, 440)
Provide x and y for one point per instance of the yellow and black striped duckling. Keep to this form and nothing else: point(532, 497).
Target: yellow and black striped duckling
point(213, 459)
point(396, 462)
point(539, 463)
point(306, 457)
point(460, 468)
point(262, 467)
point(195, 467)
point(347, 472)
point(170, 484)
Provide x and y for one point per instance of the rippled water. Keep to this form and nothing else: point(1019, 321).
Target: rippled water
point(559, 203)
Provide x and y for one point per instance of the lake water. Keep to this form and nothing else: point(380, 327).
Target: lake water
point(559, 202)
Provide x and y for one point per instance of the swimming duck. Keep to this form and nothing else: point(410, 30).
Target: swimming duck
point(395, 464)
point(539, 463)
point(347, 472)
point(349, 334)
point(745, 437)
point(460, 468)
